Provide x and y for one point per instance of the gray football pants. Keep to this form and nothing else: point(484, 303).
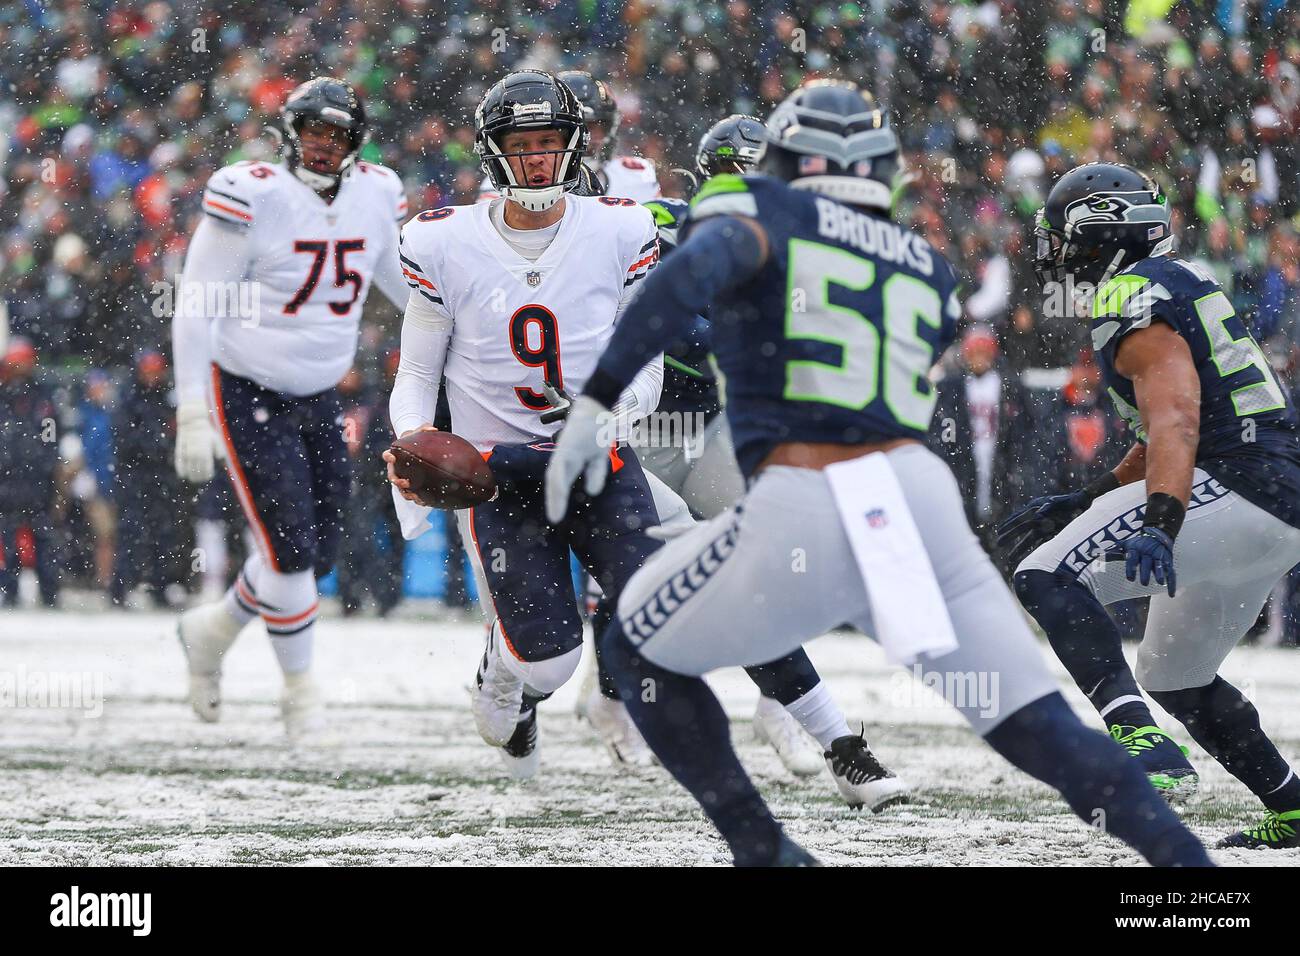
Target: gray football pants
point(1228, 556)
point(776, 570)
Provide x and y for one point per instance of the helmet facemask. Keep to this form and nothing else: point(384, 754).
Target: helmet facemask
point(316, 179)
point(332, 102)
point(536, 198)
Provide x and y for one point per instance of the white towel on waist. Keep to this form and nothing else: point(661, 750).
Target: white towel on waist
point(906, 604)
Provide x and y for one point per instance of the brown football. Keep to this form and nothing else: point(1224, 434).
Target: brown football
point(445, 471)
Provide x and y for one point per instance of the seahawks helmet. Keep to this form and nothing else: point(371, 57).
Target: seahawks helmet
point(829, 136)
point(329, 101)
point(731, 145)
point(530, 100)
point(598, 106)
point(1099, 218)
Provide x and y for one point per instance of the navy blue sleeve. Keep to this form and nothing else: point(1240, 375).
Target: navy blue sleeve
point(720, 254)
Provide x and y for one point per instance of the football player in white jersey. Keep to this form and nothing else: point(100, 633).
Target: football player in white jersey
point(624, 177)
point(513, 300)
point(256, 384)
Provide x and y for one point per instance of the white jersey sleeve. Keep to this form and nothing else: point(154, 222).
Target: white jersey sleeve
point(388, 271)
point(217, 259)
point(631, 177)
point(426, 334)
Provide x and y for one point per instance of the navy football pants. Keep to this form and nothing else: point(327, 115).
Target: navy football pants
point(289, 464)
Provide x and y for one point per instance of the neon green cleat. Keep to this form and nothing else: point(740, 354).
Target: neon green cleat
point(1278, 831)
point(1165, 762)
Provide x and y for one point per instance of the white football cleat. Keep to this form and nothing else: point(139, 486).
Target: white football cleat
point(301, 707)
point(863, 780)
point(497, 696)
point(614, 727)
point(206, 633)
point(775, 725)
point(520, 753)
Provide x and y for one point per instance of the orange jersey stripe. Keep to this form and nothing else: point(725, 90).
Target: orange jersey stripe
point(425, 282)
point(644, 262)
point(230, 209)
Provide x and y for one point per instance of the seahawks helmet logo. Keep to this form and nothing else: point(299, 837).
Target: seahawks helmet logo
point(1102, 208)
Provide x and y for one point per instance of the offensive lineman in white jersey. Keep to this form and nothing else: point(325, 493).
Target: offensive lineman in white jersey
point(624, 177)
point(308, 237)
point(514, 300)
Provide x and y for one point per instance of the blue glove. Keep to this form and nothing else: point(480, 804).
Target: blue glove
point(1147, 554)
point(1038, 521)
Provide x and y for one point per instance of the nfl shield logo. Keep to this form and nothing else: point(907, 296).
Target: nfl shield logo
point(534, 279)
point(876, 518)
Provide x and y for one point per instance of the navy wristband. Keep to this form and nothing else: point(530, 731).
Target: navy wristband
point(1164, 512)
point(604, 388)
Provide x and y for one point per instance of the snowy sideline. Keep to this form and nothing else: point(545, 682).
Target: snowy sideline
point(102, 762)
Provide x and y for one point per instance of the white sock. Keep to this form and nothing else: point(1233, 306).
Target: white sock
point(818, 714)
point(289, 607)
point(240, 600)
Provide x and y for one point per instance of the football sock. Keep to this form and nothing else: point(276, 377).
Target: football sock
point(289, 607)
point(1101, 784)
point(685, 726)
point(1226, 724)
point(818, 714)
point(1087, 642)
point(240, 600)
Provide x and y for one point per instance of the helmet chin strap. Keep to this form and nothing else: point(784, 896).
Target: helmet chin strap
point(317, 181)
point(534, 199)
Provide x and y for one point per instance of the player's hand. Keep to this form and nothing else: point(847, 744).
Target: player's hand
point(401, 484)
point(1148, 554)
point(1038, 521)
point(582, 449)
point(560, 403)
point(197, 445)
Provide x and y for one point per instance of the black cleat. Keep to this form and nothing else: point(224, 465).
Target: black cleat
point(863, 781)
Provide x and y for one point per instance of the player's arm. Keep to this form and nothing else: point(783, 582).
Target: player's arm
point(389, 278)
point(219, 255)
point(388, 273)
point(1132, 467)
point(719, 254)
point(1158, 362)
point(426, 336)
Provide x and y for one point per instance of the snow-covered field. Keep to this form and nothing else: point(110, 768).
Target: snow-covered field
point(129, 776)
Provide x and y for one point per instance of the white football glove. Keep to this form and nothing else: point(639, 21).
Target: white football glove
point(582, 449)
point(197, 445)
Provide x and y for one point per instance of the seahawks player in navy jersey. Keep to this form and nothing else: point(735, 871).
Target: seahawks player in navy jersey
point(1202, 515)
point(827, 318)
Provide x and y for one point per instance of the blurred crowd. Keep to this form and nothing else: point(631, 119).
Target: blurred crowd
point(113, 114)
